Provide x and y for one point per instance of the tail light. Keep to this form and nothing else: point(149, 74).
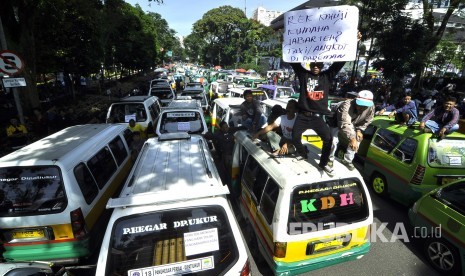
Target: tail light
point(246, 269)
point(280, 249)
point(78, 223)
point(368, 234)
point(417, 177)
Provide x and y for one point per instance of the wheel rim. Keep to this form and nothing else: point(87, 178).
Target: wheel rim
point(378, 185)
point(441, 256)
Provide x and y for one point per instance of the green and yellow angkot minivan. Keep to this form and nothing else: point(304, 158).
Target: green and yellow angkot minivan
point(406, 163)
point(299, 218)
point(53, 192)
point(438, 219)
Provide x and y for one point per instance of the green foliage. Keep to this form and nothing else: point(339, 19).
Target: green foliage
point(224, 36)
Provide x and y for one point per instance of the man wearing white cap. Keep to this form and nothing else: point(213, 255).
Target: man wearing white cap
point(353, 117)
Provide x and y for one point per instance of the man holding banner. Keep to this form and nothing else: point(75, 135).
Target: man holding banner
point(311, 37)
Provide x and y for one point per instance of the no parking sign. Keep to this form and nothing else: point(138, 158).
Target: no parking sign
point(10, 63)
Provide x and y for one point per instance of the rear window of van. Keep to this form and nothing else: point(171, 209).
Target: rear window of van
point(195, 240)
point(446, 153)
point(181, 121)
point(123, 112)
point(325, 205)
point(26, 191)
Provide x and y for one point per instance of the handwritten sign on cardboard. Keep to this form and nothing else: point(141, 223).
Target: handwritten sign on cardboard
point(320, 34)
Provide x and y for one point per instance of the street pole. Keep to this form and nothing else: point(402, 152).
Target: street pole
point(15, 90)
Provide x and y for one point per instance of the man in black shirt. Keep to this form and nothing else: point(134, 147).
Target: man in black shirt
point(313, 105)
point(252, 113)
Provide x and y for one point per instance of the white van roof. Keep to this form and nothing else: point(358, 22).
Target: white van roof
point(288, 171)
point(64, 146)
point(172, 167)
point(184, 104)
point(225, 102)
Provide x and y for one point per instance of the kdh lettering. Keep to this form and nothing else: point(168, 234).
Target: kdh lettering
point(327, 202)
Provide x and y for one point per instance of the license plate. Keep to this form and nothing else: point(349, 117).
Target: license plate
point(27, 234)
point(328, 245)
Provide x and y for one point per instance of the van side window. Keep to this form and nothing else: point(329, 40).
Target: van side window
point(406, 150)
point(118, 149)
point(260, 182)
point(154, 110)
point(386, 140)
point(243, 157)
point(268, 202)
point(102, 166)
point(86, 182)
point(250, 172)
point(219, 113)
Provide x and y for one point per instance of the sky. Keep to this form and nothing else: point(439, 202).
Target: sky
point(181, 14)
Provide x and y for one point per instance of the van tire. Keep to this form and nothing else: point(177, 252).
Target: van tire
point(443, 256)
point(379, 184)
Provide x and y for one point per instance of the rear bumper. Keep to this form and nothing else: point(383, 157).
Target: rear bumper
point(57, 252)
point(296, 268)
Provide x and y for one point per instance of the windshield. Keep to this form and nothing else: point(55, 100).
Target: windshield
point(284, 92)
point(327, 204)
point(446, 153)
point(223, 87)
point(181, 121)
point(196, 96)
point(26, 191)
point(182, 239)
point(453, 196)
point(162, 93)
point(122, 113)
point(259, 95)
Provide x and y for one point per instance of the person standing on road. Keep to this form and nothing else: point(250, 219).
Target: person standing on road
point(17, 134)
point(133, 126)
point(442, 120)
point(353, 117)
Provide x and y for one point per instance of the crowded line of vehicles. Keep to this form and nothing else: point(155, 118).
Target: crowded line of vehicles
point(167, 210)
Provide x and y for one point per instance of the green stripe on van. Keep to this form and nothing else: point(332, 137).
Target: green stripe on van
point(295, 268)
point(49, 251)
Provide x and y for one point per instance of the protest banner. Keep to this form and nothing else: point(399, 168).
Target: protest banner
point(320, 34)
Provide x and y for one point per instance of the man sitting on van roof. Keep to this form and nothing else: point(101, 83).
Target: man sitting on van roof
point(442, 120)
point(252, 113)
point(404, 112)
point(287, 124)
point(352, 118)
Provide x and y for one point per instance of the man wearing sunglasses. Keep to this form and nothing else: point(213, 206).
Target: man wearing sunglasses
point(313, 105)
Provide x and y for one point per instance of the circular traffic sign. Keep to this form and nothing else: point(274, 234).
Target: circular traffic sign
point(10, 63)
